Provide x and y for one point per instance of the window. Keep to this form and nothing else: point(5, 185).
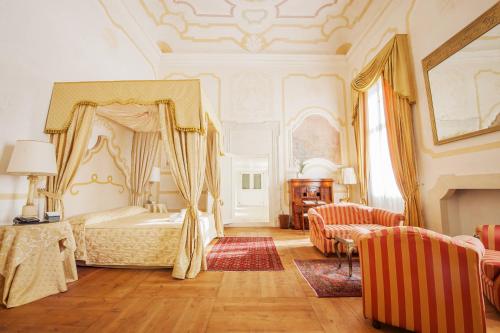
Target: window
point(245, 181)
point(257, 181)
point(251, 181)
point(383, 191)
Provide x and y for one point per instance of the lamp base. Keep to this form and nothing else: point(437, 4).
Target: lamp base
point(29, 211)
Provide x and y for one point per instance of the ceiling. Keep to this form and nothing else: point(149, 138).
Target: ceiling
point(254, 26)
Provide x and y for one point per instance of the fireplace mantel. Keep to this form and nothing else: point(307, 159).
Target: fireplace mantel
point(444, 190)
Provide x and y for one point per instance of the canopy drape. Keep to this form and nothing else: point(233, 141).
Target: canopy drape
point(137, 105)
point(393, 64)
point(212, 178)
point(139, 118)
point(144, 154)
point(186, 151)
point(70, 147)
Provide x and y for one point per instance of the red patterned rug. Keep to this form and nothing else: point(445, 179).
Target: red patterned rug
point(244, 254)
point(327, 280)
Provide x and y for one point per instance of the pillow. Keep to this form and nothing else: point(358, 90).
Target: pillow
point(107, 215)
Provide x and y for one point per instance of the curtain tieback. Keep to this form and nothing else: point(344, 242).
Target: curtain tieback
point(53, 196)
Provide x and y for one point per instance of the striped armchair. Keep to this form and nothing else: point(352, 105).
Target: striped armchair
point(490, 264)
point(328, 221)
point(421, 280)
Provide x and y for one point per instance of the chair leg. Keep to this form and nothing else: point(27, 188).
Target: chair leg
point(376, 324)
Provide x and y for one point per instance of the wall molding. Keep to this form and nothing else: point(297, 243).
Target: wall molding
point(13, 196)
point(94, 179)
point(120, 17)
point(343, 84)
point(114, 153)
point(297, 121)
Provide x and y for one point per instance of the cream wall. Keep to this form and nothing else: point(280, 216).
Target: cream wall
point(429, 23)
point(260, 98)
point(47, 41)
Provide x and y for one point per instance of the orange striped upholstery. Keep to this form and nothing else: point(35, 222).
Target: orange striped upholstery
point(345, 230)
point(489, 234)
point(317, 232)
point(387, 218)
point(421, 281)
point(332, 220)
point(490, 264)
point(492, 290)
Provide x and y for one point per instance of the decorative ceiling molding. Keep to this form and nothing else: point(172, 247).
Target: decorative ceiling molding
point(121, 18)
point(235, 26)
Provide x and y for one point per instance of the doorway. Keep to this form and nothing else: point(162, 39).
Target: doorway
point(250, 189)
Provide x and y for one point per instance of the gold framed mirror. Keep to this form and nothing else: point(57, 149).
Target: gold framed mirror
point(462, 80)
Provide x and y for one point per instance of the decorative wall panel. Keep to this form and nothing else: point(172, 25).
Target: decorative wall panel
point(315, 137)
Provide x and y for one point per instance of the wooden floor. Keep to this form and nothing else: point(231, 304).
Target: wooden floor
point(126, 300)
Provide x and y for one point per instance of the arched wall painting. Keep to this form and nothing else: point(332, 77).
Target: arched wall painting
point(315, 137)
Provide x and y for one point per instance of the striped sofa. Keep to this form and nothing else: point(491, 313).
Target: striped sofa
point(490, 264)
point(421, 280)
point(328, 221)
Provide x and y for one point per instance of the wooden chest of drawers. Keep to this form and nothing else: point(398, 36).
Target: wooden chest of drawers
point(309, 190)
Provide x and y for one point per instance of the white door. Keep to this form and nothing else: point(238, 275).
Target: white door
point(250, 189)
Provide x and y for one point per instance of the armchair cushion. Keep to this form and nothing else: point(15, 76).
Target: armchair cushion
point(345, 230)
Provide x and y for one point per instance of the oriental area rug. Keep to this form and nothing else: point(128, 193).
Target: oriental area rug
point(244, 254)
point(327, 280)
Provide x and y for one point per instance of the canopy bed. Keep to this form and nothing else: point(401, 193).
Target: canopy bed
point(173, 116)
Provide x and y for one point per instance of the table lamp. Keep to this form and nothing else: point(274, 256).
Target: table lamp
point(348, 178)
point(33, 159)
point(154, 178)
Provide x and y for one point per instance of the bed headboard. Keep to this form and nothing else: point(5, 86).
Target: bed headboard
point(102, 180)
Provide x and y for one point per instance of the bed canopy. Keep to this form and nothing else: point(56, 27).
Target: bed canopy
point(172, 115)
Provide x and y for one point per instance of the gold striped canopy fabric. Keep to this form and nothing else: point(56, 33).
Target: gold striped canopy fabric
point(191, 105)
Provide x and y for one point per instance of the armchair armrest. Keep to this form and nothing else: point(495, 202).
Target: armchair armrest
point(316, 220)
point(388, 218)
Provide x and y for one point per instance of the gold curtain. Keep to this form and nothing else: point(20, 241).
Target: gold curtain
point(393, 64)
point(144, 152)
point(359, 124)
point(71, 147)
point(212, 175)
point(399, 125)
point(186, 152)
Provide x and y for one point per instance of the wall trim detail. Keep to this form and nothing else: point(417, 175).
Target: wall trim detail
point(113, 151)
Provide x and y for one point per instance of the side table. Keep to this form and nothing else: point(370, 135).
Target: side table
point(350, 246)
point(36, 261)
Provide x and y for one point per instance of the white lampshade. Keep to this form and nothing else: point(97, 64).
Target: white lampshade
point(35, 158)
point(348, 176)
point(155, 175)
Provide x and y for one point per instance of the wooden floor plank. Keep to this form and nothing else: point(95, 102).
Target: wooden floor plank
point(131, 300)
